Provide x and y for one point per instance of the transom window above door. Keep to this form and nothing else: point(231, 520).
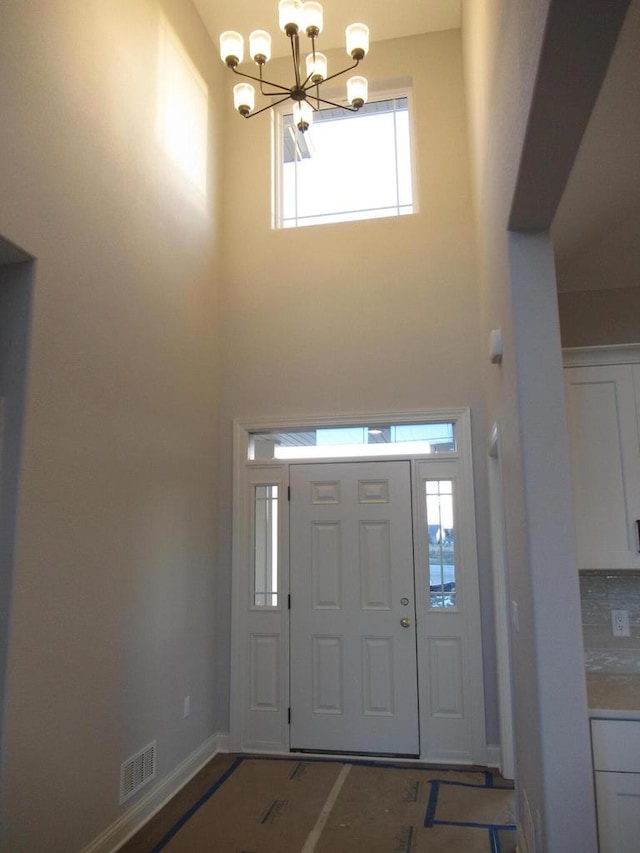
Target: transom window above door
point(354, 440)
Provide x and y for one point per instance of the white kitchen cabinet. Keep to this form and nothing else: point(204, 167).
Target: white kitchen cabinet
point(616, 760)
point(603, 414)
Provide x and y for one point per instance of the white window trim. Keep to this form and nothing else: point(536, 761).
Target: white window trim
point(337, 95)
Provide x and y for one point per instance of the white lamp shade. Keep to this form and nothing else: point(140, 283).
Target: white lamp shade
point(312, 17)
point(316, 68)
point(357, 39)
point(260, 45)
point(244, 97)
point(231, 45)
point(357, 90)
point(290, 14)
point(302, 114)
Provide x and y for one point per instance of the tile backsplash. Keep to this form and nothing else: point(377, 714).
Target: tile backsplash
point(602, 592)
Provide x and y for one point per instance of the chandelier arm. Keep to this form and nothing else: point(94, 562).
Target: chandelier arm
point(333, 76)
point(332, 104)
point(261, 81)
point(274, 94)
point(268, 83)
point(304, 86)
point(268, 107)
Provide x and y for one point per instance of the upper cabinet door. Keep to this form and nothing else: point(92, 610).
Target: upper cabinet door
point(604, 445)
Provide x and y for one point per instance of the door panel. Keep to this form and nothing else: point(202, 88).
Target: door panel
point(353, 664)
point(326, 565)
point(375, 565)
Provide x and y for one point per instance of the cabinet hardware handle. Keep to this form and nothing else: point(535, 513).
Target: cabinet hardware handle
point(638, 526)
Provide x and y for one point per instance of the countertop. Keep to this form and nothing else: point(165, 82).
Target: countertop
point(615, 696)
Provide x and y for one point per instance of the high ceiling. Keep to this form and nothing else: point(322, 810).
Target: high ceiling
point(386, 20)
point(604, 186)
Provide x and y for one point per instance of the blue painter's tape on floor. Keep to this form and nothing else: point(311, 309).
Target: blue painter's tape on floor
point(194, 808)
point(432, 805)
point(430, 815)
point(494, 841)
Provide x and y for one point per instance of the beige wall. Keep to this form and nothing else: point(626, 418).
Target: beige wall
point(113, 587)
point(373, 316)
point(356, 316)
point(599, 288)
point(498, 105)
point(603, 259)
point(502, 41)
point(600, 317)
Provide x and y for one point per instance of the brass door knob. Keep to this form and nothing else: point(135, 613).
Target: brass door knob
point(405, 621)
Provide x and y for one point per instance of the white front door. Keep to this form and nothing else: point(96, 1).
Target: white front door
point(353, 639)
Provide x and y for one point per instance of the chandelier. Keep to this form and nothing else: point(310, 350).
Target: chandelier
point(295, 17)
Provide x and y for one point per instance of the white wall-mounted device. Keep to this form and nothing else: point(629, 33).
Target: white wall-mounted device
point(495, 346)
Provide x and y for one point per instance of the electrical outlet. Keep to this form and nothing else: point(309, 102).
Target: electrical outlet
point(187, 707)
point(620, 623)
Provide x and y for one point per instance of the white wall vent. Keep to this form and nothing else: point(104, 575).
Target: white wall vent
point(136, 771)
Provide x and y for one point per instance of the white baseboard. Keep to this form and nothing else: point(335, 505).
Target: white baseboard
point(223, 742)
point(135, 817)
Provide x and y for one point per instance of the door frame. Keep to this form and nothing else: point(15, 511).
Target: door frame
point(501, 602)
point(452, 727)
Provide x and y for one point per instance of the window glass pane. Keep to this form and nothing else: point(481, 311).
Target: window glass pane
point(341, 435)
point(405, 177)
point(265, 552)
point(327, 171)
point(439, 436)
point(374, 440)
point(441, 542)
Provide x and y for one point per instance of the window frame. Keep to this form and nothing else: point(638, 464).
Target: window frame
point(449, 639)
point(277, 156)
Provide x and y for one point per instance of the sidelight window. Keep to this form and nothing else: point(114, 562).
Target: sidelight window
point(265, 546)
point(441, 541)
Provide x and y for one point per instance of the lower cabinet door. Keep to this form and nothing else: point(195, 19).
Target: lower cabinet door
point(618, 802)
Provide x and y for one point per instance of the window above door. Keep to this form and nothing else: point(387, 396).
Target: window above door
point(354, 440)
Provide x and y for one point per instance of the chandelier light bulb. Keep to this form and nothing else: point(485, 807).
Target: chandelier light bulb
point(302, 115)
point(357, 91)
point(290, 16)
point(231, 48)
point(260, 46)
point(312, 18)
point(244, 98)
point(357, 41)
point(316, 67)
